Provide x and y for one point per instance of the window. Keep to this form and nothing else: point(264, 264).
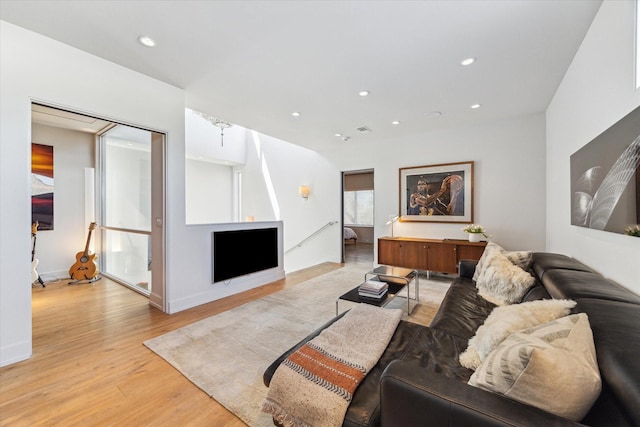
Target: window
point(358, 207)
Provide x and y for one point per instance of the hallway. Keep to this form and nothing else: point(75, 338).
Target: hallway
point(358, 253)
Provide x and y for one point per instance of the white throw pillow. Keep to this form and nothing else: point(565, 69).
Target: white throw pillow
point(503, 321)
point(502, 282)
point(522, 259)
point(482, 262)
point(552, 367)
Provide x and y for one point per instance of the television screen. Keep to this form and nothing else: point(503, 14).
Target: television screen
point(240, 252)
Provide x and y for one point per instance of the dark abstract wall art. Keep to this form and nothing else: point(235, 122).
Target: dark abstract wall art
point(605, 179)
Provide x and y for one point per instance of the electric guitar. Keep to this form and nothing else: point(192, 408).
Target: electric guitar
point(35, 261)
point(85, 267)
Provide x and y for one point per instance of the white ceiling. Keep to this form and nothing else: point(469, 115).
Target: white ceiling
point(253, 63)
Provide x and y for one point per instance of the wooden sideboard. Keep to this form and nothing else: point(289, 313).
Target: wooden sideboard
point(440, 255)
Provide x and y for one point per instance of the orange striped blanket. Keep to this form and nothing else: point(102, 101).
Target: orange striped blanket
point(315, 384)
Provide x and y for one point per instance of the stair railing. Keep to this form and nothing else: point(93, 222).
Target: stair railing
point(329, 224)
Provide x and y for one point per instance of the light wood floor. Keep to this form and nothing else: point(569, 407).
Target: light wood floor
point(359, 253)
point(90, 368)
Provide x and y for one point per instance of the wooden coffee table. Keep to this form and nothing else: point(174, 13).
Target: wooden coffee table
point(397, 278)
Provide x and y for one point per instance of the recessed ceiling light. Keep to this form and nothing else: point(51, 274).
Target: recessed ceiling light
point(434, 114)
point(295, 114)
point(338, 134)
point(363, 93)
point(395, 122)
point(147, 41)
point(475, 106)
point(468, 61)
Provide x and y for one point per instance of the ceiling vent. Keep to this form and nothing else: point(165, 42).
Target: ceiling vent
point(363, 129)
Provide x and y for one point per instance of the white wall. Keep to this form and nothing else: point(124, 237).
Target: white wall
point(209, 192)
point(72, 152)
point(33, 67)
point(509, 176)
point(273, 172)
point(597, 91)
point(199, 289)
point(203, 141)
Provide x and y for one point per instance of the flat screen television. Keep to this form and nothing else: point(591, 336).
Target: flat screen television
point(241, 252)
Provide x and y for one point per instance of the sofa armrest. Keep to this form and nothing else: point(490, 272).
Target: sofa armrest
point(411, 396)
point(466, 268)
point(271, 369)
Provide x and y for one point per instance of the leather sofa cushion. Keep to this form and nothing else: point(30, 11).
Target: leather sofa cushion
point(421, 346)
point(571, 284)
point(616, 334)
point(438, 351)
point(463, 311)
point(536, 292)
point(545, 261)
point(364, 409)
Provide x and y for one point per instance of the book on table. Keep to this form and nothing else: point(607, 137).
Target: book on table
point(373, 289)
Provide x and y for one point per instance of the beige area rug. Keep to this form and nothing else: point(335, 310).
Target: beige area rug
point(225, 355)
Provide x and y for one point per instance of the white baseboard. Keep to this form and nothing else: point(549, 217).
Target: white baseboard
point(15, 353)
point(227, 288)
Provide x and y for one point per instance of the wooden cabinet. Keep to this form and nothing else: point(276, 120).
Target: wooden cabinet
point(470, 251)
point(440, 255)
point(403, 253)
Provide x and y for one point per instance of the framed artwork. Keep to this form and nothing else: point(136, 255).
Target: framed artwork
point(42, 186)
point(437, 193)
point(605, 179)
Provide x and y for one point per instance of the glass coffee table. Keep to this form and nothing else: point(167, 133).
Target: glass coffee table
point(397, 278)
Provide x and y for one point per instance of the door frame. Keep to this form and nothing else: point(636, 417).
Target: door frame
point(342, 190)
point(157, 292)
point(157, 297)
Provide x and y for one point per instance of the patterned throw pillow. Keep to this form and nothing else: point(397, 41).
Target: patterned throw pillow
point(503, 321)
point(551, 366)
point(502, 282)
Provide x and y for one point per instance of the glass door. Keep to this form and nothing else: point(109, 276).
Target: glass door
point(131, 220)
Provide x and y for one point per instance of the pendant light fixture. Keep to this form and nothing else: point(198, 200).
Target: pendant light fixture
point(222, 125)
point(219, 123)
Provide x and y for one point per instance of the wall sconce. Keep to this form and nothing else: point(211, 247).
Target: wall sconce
point(304, 191)
point(391, 221)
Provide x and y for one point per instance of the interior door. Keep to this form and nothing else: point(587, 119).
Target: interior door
point(132, 209)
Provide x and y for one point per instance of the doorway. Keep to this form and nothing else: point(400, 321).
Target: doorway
point(358, 198)
point(123, 192)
